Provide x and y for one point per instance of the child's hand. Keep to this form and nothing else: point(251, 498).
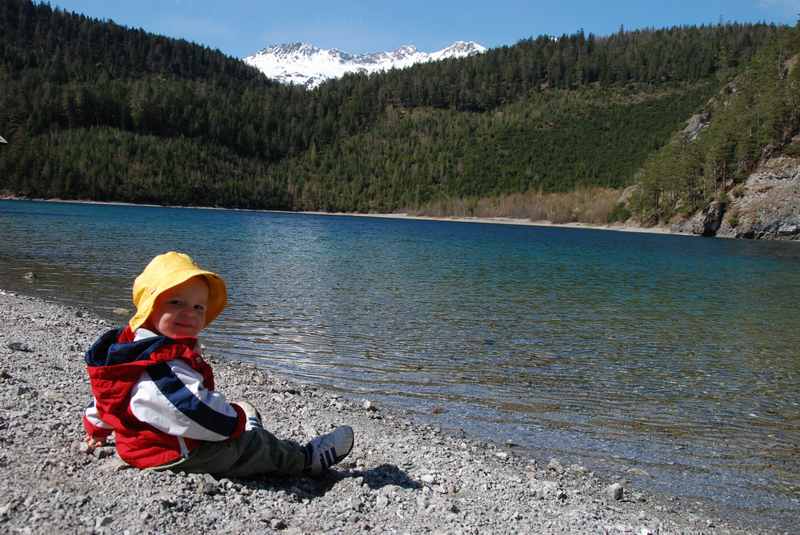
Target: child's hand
point(95, 442)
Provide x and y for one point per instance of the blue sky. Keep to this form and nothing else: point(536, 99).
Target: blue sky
point(242, 27)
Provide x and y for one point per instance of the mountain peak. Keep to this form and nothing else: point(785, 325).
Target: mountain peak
point(305, 64)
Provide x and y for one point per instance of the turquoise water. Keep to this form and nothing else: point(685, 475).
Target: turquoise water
point(678, 357)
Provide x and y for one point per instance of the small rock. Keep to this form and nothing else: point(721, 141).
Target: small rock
point(19, 346)
point(555, 466)
point(638, 472)
point(381, 501)
point(104, 452)
point(501, 455)
point(102, 521)
point(52, 395)
point(121, 311)
point(114, 464)
point(428, 478)
point(369, 406)
point(207, 486)
point(614, 492)
point(578, 469)
point(277, 524)
point(544, 489)
point(30, 276)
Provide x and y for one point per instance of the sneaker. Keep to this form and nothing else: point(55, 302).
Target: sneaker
point(327, 450)
point(253, 416)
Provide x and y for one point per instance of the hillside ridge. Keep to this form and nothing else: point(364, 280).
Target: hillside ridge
point(93, 110)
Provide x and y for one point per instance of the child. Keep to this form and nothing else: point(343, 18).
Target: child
point(156, 393)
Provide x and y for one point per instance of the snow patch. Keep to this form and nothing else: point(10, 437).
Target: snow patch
point(309, 66)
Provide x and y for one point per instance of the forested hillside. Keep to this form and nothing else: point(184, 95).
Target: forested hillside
point(552, 141)
point(94, 110)
point(754, 117)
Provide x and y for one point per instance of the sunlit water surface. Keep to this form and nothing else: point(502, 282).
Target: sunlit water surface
point(674, 361)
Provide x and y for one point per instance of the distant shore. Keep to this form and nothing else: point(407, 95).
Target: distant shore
point(619, 227)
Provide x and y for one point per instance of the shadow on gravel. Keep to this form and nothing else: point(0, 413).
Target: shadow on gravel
point(385, 474)
point(376, 478)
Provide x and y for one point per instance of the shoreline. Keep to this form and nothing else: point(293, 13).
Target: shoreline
point(403, 475)
point(618, 227)
point(506, 221)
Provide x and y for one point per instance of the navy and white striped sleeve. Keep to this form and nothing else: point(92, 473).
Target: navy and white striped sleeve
point(171, 397)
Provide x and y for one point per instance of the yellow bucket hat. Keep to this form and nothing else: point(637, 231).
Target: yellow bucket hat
point(167, 271)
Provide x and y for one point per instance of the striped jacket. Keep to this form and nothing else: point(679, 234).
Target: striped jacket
point(157, 395)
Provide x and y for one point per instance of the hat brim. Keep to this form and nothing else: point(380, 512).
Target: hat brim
point(217, 295)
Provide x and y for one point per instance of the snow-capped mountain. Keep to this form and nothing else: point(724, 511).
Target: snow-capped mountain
point(307, 65)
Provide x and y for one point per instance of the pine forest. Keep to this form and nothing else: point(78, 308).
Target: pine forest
point(94, 110)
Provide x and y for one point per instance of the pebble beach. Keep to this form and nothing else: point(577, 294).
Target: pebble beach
point(403, 476)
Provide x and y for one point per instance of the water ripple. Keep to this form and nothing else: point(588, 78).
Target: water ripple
point(675, 356)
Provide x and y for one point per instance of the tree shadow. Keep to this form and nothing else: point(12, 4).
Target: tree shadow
point(307, 488)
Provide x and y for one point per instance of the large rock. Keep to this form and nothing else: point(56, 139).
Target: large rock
point(703, 223)
point(769, 204)
point(695, 124)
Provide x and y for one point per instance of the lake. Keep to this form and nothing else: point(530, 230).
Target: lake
point(671, 361)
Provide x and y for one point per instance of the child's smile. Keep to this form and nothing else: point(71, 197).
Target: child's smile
point(180, 312)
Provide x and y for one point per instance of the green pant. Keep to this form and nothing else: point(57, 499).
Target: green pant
point(254, 453)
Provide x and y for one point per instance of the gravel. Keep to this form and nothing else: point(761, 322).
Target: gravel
point(402, 476)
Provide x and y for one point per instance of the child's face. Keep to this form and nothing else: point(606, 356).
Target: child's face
point(180, 312)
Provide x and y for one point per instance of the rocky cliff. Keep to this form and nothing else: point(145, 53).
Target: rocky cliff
point(765, 206)
point(768, 204)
